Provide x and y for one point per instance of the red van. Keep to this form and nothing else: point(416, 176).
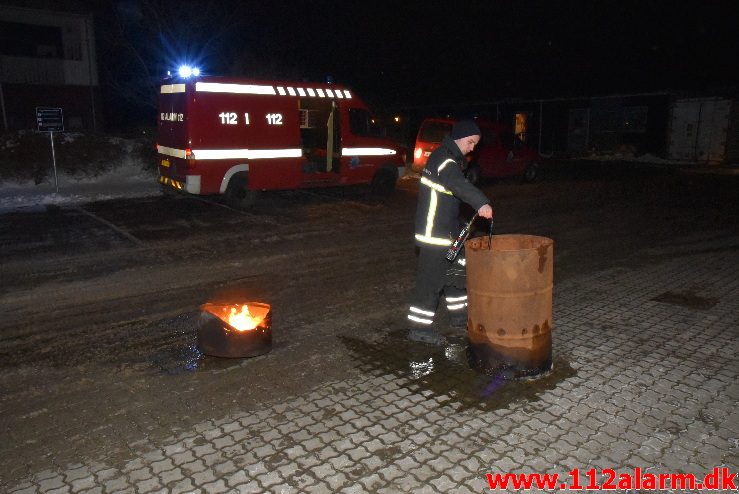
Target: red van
point(499, 154)
point(237, 137)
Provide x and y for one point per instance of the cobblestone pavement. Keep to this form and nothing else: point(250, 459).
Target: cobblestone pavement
point(645, 376)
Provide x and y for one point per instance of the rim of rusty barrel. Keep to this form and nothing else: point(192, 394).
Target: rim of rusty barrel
point(504, 242)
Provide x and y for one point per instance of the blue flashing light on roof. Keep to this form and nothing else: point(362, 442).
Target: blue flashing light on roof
point(186, 71)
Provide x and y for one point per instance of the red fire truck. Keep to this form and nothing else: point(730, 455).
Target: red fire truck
point(237, 137)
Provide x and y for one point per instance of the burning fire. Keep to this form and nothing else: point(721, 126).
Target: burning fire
point(243, 320)
point(241, 317)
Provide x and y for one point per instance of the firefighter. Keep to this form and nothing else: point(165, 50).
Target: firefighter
point(443, 187)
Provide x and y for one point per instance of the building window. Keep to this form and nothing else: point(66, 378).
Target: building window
point(634, 119)
point(521, 126)
point(72, 43)
point(26, 40)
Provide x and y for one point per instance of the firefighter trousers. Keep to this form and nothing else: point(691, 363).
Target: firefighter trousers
point(436, 275)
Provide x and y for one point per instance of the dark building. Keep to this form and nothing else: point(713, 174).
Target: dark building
point(47, 59)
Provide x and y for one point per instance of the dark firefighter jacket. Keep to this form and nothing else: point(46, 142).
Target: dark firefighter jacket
point(442, 189)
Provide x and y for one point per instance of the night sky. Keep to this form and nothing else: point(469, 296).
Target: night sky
point(408, 53)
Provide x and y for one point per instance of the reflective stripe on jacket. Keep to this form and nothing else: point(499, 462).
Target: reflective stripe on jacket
point(442, 188)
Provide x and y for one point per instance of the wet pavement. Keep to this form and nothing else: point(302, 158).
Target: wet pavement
point(645, 376)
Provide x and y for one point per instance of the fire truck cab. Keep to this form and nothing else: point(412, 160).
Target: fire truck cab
point(237, 137)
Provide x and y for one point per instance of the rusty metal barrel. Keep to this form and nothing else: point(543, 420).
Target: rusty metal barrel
point(509, 290)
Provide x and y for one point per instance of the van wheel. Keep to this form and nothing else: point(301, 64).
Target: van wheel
point(238, 195)
point(531, 173)
point(383, 183)
point(473, 174)
point(168, 191)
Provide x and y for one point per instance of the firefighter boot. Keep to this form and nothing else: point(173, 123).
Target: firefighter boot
point(420, 325)
point(426, 335)
point(458, 322)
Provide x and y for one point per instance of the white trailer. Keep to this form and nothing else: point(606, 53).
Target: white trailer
point(699, 129)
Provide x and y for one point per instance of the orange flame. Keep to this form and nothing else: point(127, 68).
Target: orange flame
point(241, 317)
point(243, 320)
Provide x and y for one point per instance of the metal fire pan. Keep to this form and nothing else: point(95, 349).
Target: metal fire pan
point(218, 338)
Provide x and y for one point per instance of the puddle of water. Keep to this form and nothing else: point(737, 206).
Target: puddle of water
point(190, 358)
point(686, 299)
point(180, 359)
point(446, 371)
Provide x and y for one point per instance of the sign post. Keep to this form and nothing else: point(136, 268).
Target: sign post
point(50, 120)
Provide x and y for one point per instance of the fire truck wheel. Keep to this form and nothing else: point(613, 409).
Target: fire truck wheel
point(531, 173)
point(238, 195)
point(383, 183)
point(168, 191)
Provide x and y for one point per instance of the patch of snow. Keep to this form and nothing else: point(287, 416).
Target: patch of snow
point(127, 180)
point(68, 137)
point(10, 144)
